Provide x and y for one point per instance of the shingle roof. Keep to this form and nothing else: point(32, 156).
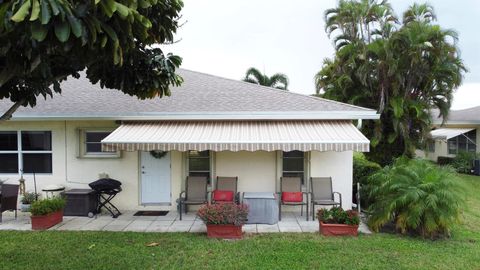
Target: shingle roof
point(200, 94)
point(465, 116)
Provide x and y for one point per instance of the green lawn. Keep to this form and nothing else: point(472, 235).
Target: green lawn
point(104, 250)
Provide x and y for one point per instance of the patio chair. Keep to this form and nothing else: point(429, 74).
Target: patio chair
point(226, 190)
point(322, 193)
point(8, 199)
point(291, 194)
point(195, 192)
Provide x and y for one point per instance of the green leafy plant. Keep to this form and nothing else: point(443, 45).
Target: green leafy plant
point(29, 198)
point(223, 213)
point(463, 161)
point(362, 170)
point(47, 206)
point(336, 215)
point(417, 196)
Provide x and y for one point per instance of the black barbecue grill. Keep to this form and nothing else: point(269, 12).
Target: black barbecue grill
point(107, 189)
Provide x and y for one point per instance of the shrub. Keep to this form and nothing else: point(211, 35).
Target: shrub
point(223, 213)
point(47, 206)
point(444, 160)
point(362, 170)
point(463, 161)
point(336, 215)
point(29, 198)
point(417, 196)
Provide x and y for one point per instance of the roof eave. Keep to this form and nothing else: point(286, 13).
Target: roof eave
point(326, 115)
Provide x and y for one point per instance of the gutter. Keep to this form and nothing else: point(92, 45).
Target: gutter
point(285, 115)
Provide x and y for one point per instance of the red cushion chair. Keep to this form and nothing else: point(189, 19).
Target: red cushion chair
point(292, 196)
point(223, 195)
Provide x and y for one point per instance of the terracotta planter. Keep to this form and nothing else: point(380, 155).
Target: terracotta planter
point(338, 229)
point(47, 221)
point(226, 231)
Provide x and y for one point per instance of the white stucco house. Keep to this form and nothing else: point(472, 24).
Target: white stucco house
point(210, 126)
point(460, 132)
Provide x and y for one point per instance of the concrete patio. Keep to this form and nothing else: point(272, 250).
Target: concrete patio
point(169, 223)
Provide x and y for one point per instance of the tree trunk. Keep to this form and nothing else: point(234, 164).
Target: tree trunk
point(8, 114)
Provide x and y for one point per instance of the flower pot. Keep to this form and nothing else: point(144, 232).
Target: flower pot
point(46, 221)
point(25, 207)
point(338, 229)
point(226, 231)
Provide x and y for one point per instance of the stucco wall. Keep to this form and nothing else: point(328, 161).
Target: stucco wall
point(338, 165)
point(256, 171)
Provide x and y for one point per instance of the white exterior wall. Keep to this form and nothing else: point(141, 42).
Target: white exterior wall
point(257, 171)
point(338, 165)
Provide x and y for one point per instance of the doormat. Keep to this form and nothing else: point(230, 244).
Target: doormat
point(151, 213)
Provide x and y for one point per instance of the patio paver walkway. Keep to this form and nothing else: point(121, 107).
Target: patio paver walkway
point(290, 223)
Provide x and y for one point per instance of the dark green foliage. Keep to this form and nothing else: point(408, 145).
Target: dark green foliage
point(363, 168)
point(336, 215)
point(29, 197)
point(47, 206)
point(444, 160)
point(402, 69)
point(417, 196)
point(42, 42)
point(277, 80)
point(463, 161)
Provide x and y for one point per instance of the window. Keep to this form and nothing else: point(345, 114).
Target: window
point(293, 164)
point(25, 151)
point(199, 164)
point(91, 144)
point(463, 142)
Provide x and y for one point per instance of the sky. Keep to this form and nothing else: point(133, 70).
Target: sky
point(225, 38)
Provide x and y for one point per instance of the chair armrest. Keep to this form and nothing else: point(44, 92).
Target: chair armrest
point(180, 196)
point(339, 195)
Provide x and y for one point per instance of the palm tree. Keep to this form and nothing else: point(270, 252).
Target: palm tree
point(277, 80)
point(403, 70)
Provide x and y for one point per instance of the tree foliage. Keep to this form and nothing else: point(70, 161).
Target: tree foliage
point(42, 42)
point(403, 69)
point(417, 195)
point(277, 80)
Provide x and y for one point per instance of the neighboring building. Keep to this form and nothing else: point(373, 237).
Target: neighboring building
point(210, 126)
point(461, 132)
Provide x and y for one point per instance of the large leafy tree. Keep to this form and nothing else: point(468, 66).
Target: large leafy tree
point(277, 80)
point(42, 42)
point(404, 68)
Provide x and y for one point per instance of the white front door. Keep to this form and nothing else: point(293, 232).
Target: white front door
point(155, 179)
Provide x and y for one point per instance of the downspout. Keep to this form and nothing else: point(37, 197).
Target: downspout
point(359, 123)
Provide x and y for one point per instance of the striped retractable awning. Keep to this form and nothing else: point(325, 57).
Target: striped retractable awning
point(448, 133)
point(311, 135)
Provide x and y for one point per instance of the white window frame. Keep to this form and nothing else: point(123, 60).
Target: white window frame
point(83, 144)
point(19, 152)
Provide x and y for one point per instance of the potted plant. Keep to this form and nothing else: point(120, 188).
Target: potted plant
point(224, 220)
point(336, 221)
point(47, 213)
point(27, 200)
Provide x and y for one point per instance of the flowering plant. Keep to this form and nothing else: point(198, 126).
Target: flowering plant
point(223, 213)
point(336, 215)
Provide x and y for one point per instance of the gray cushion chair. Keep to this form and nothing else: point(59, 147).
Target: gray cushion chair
point(322, 193)
point(195, 193)
point(293, 185)
point(8, 199)
point(227, 183)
